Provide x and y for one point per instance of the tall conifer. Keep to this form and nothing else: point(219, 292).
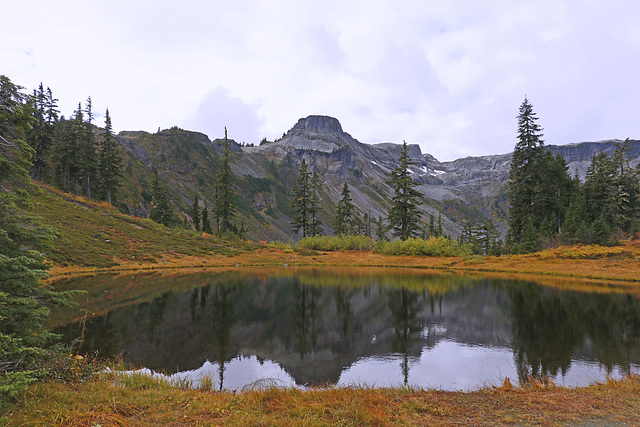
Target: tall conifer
point(404, 215)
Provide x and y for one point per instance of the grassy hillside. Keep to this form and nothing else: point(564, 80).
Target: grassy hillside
point(94, 234)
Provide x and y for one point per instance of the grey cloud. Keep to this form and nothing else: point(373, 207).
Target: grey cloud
point(220, 109)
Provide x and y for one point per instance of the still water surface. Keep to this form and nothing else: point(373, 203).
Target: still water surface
point(307, 328)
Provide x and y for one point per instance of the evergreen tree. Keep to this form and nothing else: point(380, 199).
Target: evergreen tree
point(344, 213)
point(539, 186)
point(25, 301)
point(109, 161)
point(302, 200)
point(225, 208)
point(67, 155)
point(161, 210)
point(206, 223)
point(305, 203)
point(195, 214)
point(554, 192)
point(404, 215)
point(315, 226)
point(88, 147)
point(381, 230)
point(41, 136)
point(524, 176)
point(432, 226)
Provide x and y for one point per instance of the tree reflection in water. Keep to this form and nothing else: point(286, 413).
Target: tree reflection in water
point(303, 314)
point(317, 325)
point(549, 326)
point(404, 306)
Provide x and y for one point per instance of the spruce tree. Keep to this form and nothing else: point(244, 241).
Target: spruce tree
point(404, 215)
point(225, 208)
point(344, 213)
point(109, 162)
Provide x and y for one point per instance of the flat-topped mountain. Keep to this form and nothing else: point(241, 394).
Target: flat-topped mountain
point(471, 189)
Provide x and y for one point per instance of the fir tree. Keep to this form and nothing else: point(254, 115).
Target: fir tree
point(109, 162)
point(25, 301)
point(302, 200)
point(524, 176)
point(344, 213)
point(539, 186)
point(161, 209)
point(206, 223)
point(195, 214)
point(432, 226)
point(404, 215)
point(381, 230)
point(41, 136)
point(315, 226)
point(305, 203)
point(88, 147)
point(225, 208)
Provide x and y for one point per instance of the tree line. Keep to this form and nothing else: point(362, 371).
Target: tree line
point(548, 206)
point(73, 154)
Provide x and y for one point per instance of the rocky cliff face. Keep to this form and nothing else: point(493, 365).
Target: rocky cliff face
point(469, 189)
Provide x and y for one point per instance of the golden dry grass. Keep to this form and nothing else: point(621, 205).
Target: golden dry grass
point(616, 265)
point(108, 401)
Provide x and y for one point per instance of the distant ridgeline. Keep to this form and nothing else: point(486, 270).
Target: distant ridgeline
point(469, 190)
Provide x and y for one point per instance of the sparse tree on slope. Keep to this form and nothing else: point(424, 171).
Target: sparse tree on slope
point(344, 212)
point(225, 208)
point(161, 210)
point(305, 203)
point(195, 213)
point(109, 161)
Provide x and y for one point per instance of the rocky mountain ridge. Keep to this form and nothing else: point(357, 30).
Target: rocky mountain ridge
point(471, 189)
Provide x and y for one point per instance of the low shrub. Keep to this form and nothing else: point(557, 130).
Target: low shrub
point(585, 252)
point(434, 246)
point(336, 243)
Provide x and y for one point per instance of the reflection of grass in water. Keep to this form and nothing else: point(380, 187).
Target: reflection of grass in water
point(106, 292)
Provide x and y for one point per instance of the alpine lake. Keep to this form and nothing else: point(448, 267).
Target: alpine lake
point(289, 327)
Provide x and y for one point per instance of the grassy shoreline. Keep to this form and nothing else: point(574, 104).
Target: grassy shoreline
point(112, 400)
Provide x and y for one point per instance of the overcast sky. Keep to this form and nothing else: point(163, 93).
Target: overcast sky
point(448, 75)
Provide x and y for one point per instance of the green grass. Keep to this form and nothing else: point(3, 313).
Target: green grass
point(91, 234)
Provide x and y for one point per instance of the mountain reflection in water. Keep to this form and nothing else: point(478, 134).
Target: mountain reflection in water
point(318, 328)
